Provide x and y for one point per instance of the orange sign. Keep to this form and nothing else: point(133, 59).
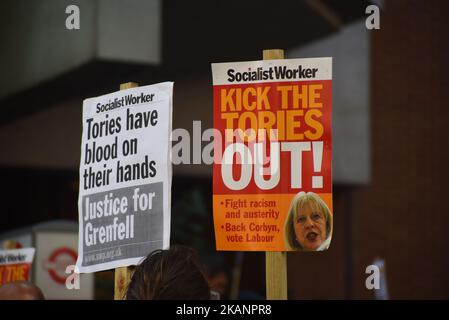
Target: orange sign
point(273, 153)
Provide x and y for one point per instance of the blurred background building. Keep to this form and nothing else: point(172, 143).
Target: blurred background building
point(390, 117)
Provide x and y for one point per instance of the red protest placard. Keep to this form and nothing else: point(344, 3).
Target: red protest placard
point(15, 265)
point(273, 152)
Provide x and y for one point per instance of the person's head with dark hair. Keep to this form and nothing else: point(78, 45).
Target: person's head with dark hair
point(20, 290)
point(169, 275)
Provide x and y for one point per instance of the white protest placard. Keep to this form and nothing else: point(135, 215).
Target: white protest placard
point(125, 177)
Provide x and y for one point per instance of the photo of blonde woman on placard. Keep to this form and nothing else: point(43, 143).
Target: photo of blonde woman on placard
point(308, 226)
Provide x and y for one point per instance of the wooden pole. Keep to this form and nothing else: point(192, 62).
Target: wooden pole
point(123, 274)
point(275, 262)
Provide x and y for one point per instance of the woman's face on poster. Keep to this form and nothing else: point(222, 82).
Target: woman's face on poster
point(310, 227)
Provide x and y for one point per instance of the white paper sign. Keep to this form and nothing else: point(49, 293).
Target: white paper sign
point(125, 177)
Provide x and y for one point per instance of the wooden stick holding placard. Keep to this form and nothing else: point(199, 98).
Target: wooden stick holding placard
point(275, 262)
point(123, 274)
